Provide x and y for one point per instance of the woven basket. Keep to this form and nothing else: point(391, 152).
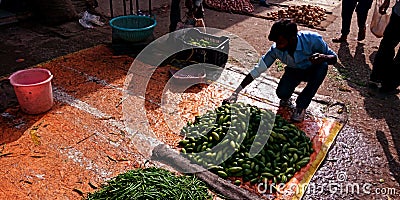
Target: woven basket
point(133, 28)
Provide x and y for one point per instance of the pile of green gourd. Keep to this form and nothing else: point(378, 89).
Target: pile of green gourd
point(221, 139)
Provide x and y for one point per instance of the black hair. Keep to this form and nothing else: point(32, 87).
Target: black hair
point(286, 28)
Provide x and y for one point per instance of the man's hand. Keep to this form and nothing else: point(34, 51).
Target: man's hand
point(383, 8)
point(317, 58)
point(231, 99)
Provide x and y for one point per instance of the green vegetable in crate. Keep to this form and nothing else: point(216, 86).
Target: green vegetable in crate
point(202, 43)
point(223, 141)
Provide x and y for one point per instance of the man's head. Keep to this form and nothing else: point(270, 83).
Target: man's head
point(283, 33)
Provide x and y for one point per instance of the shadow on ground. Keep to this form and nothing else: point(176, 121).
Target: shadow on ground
point(356, 72)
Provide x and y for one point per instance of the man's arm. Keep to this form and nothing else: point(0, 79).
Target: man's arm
point(319, 58)
point(263, 64)
point(322, 52)
point(331, 59)
point(246, 81)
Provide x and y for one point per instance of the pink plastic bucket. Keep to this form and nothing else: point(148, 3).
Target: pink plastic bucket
point(33, 89)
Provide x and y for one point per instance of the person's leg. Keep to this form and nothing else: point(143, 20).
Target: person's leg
point(175, 15)
point(288, 83)
point(348, 7)
point(394, 73)
point(383, 62)
point(396, 66)
point(394, 76)
point(396, 59)
point(314, 78)
point(362, 9)
point(198, 9)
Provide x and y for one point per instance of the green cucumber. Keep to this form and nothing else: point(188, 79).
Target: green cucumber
point(222, 174)
point(234, 169)
point(237, 182)
point(254, 180)
point(215, 136)
point(247, 171)
point(246, 166)
point(267, 174)
point(183, 142)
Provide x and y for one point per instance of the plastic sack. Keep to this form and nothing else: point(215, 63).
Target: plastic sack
point(88, 20)
point(379, 21)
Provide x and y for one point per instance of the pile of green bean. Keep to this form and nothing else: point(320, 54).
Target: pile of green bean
point(152, 183)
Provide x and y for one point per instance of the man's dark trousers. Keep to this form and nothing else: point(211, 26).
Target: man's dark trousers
point(385, 68)
point(361, 6)
point(314, 76)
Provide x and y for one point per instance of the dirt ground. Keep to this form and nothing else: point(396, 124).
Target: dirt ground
point(376, 121)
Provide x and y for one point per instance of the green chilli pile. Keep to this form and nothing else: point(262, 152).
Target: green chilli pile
point(152, 183)
point(241, 140)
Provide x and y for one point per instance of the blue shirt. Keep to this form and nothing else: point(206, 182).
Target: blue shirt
point(308, 43)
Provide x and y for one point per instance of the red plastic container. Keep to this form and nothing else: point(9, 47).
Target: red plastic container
point(33, 89)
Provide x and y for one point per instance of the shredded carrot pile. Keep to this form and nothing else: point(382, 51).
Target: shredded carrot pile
point(194, 101)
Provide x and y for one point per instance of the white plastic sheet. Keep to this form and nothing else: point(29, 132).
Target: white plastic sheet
point(88, 20)
point(379, 21)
